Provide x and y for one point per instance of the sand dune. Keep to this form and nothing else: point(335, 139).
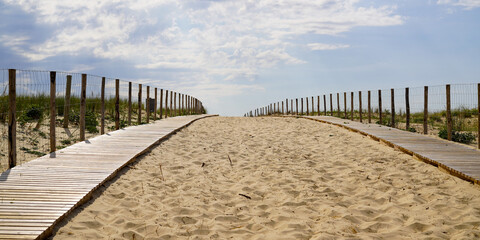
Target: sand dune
point(286, 179)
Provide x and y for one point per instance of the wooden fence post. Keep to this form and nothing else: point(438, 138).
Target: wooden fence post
point(161, 104)
point(53, 111)
point(301, 100)
point(66, 106)
point(286, 105)
point(308, 110)
point(318, 105)
point(166, 103)
point(155, 106)
point(393, 107)
point(449, 114)
point(139, 120)
point(117, 104)
point(175, 111)
point(296, 103)
point(478, 115)
point(407, 108)
point(324, 104)
point(12, 118)
point(147, 104)
point(331, 105)
point(171, 104)
point(352, 108)
point(360, 104)
point(380, 106)
point(313, 107)
point(338, 105)
point(369, 107)
point(425, 110)
point(102, 103)
point(83, 96)
point(129, 103)
point(345, 104)
point(283, 109)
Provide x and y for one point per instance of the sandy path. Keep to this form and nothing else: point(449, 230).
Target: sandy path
point(306, 180)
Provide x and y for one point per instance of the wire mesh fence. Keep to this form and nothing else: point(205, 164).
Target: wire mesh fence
point(53, 110)
point(447, 111)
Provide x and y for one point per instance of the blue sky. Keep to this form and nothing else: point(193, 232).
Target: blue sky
point(238, 55)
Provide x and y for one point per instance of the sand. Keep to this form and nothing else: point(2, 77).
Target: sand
point(287, 179)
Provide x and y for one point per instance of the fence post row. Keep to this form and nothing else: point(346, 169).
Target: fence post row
point(53, 112)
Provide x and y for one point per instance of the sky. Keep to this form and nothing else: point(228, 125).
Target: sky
point(239, 55)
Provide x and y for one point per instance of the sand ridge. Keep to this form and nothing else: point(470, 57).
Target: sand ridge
point(277, 178)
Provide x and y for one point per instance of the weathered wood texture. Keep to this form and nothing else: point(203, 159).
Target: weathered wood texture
point(66, 106)
point(53, 110)
point(457, 159)
point(12, 118)
point(37, 194)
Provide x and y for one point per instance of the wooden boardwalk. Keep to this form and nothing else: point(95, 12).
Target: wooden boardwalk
point(38, 194)
point(460, 160)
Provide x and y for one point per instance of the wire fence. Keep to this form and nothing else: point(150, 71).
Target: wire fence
point(43, 111)
point(447, 111)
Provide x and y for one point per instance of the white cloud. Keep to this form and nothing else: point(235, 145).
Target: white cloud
point(222, 42)
point(323, 46)
point(467, 4)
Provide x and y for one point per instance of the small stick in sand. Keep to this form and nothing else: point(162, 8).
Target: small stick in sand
point(243, 195)
point(161, 172)
point(231, 164)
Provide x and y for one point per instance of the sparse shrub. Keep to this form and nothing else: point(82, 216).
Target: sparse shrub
point(412, 129)
point(461, 137)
